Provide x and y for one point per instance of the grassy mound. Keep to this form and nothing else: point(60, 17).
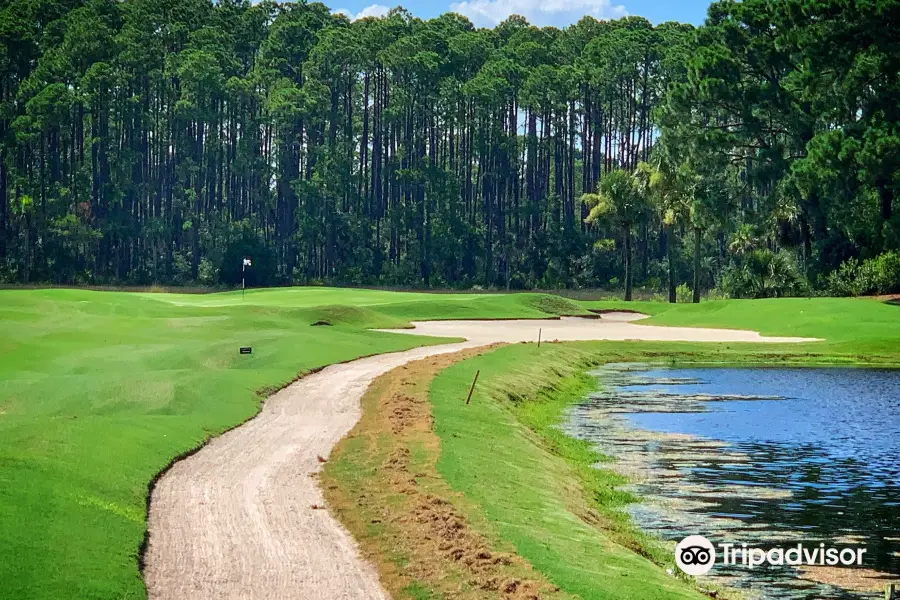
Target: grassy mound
point(352, 316)
point(556, 305)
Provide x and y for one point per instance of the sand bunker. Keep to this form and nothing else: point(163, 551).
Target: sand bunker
point(240, 520)
point(610, 326)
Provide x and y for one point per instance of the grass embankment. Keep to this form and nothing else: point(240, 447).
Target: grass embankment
point(521, 484)
point(401, 483)
point(99, 391)
point(537, 487)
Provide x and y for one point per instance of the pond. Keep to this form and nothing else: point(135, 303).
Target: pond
point(770, 457)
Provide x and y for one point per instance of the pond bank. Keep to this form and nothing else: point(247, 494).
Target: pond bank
point(510, 488)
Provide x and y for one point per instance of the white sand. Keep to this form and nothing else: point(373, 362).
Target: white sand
point(611, 326)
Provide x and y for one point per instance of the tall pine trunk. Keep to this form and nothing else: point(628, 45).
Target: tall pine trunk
point(628, 267)
point(886, 202)
point(669, 233)
point(698, 235)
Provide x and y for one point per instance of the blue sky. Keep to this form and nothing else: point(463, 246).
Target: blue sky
point(487, 13)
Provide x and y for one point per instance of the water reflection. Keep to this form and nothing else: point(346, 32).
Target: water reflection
point(758, 455)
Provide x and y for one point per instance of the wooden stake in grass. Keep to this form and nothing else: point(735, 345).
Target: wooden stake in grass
point(472, 389)
point(539, 337)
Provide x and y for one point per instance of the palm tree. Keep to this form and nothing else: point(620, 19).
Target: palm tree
point(743, 241)
point(661, 192)
point(620, 203)
point(670, 191)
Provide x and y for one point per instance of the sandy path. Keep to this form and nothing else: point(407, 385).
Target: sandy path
point(235, 520)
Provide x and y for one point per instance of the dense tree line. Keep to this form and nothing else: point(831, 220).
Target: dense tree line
point(783, 145)
point(160, 141)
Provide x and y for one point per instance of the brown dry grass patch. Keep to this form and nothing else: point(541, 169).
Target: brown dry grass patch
point(382, 484)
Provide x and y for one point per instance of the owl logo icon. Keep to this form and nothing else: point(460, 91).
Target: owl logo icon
point(695, 555)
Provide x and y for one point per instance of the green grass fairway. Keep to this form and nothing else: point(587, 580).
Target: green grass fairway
point(408, 305)
point(100, 390)
point(850, 325)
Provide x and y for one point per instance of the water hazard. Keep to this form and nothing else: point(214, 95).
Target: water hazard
point(766, 456)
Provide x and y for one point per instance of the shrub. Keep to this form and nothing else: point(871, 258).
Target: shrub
point(208, 273)
point(684, 294)
point(763, 274)
point(845, 280)
point(885, 272)
point(879, 275)
point(181, 268)
point(717, 294)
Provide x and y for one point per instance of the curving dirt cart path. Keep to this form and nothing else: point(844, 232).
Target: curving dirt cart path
point(236, 519)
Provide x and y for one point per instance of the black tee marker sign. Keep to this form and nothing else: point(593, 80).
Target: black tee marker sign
point(246, 350)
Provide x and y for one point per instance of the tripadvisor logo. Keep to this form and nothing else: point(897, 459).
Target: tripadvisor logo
point(695, 555)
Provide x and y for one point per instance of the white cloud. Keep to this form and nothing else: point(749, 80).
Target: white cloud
point(559, 13)
point(375, 10)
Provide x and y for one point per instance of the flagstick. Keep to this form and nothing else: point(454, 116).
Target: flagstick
point(245, 263)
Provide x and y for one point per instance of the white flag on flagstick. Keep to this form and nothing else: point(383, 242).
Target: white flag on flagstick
point(247, 262)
